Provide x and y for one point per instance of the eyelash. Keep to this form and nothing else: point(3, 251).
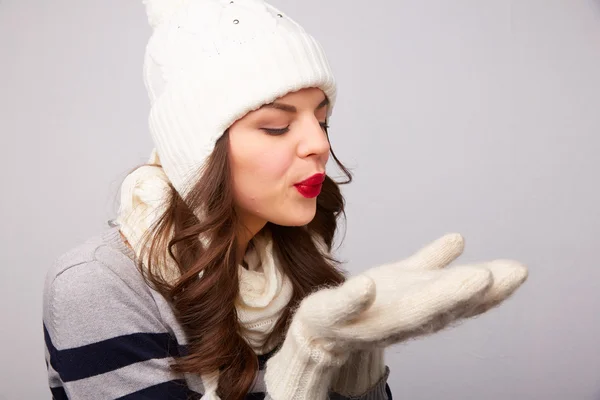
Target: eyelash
point(276, 132)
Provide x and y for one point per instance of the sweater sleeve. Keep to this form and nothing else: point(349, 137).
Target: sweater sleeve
point(379, 391)
point(362, 377)
point(105, 339)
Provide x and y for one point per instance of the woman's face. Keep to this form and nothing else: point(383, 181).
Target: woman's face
point(274, 148)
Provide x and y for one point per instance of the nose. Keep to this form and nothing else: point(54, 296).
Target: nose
point(314, 140)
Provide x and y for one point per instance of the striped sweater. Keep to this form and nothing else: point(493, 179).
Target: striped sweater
point(109, 335)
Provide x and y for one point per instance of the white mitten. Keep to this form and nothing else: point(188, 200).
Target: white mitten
point(382, 306)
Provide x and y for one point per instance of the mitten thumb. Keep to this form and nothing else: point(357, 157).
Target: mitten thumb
point(333, 306)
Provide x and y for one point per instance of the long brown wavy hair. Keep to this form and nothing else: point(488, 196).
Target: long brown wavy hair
point(205, 307)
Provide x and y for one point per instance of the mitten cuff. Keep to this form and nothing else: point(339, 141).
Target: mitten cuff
point(301, 369)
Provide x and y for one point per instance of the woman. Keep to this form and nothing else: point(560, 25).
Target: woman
point(217, 280)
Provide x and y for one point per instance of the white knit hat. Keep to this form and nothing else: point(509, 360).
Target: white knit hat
point(210, 62)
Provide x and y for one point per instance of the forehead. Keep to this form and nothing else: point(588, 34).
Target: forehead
point(301, 100)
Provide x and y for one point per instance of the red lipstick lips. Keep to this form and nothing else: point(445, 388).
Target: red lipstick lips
point(311, 187)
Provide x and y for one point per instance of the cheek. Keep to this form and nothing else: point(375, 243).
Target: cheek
point(261, 178)
point(272, 166)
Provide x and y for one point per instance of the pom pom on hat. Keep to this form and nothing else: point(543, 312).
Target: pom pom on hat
point(159, 10)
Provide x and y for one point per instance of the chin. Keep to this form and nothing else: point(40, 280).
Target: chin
point(296, 217)
point(293, 222)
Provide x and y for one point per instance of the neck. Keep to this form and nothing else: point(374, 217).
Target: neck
point(249, 226)
point(243, 239)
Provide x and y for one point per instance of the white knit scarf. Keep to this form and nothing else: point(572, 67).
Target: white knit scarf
point(264, 290)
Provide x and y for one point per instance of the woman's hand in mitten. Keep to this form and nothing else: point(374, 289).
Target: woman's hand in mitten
point(382, 306)
point(418, 295)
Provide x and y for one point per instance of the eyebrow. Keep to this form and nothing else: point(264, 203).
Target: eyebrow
point(291, 109)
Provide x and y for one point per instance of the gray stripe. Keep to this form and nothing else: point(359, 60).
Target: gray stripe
point(259, 383)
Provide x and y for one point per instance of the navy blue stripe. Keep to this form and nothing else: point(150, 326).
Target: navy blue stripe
point(388, 391)
point(51, 349)
point(255, 396)
point(58, 393)
point(172, 390)
point(109, 355)
point(183, 350)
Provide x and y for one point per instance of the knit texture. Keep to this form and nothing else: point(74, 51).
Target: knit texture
point(308, 358)
point(109, 335)
point(264, 293)
point(360, 373)
point(210, 62)
point(384, 305)
point(264, 290)
point(417, 296)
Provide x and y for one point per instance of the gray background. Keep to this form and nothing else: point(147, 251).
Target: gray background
point(474, 116)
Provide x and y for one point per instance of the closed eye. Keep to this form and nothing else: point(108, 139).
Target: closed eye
point(281, 131)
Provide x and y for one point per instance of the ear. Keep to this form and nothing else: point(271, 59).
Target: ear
point(159, 10)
